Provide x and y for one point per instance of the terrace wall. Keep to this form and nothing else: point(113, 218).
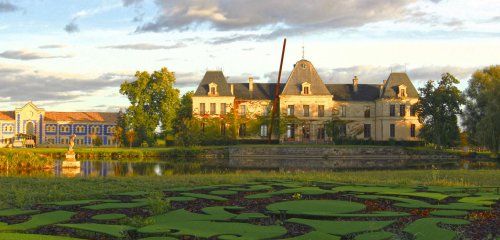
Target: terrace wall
point(336, 157)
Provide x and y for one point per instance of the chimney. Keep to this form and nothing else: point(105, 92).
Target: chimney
point(381, 88)
point(232, 89)
point(355, 84)
point(250, 84)
point(385, 81)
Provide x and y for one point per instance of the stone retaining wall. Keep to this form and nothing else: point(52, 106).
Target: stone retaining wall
point(330, 157)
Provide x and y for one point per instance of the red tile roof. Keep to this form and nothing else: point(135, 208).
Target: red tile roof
point(7, 115)
point(81, 116)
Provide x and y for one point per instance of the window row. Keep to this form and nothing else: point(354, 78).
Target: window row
point(79, 129)
point(8, 128)
point(392, 130)
point(290, 110)
point(402, 110)
point(213, 108)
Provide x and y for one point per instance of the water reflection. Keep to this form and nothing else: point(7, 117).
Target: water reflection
point(116, 168)
point(111, 168)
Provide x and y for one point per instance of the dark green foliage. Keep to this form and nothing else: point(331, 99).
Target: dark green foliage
point(353, 217)
point(437, 109)
point(316, 207)
point(482, 108)
point(375, 236)
point(18, 236)
point(118, 231)
point(428, 229)
point(97, 141)
point(341, 228)
point(15, 212)
point(39, 220)
point(111, 216)
point(119, 205)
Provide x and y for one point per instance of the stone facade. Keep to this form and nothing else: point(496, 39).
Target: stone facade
point(366, 111)
point(35, 126)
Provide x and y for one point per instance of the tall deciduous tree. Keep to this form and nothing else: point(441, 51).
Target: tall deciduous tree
point(154, 102)
point(438, 108)
point(183, 128)
point(482, 108)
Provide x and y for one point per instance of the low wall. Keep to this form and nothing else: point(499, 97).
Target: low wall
point(331, 157)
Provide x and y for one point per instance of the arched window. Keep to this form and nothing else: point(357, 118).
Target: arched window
point(212, 89)
point(402, 91)
point(306, 88)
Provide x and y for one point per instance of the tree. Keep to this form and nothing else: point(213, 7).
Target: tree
point(481, 117)
point(437, 109)
point(185, 127)
point(130, 137)
point(120, 129)
point(154, 102)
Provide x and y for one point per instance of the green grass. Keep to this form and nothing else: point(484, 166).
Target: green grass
point(316, 236)
point(39, 220)
point(117, 205)
point(327, 219)
point(23, 192)
point(16, 212)
point(427, 228)
point(448, 213)
point(110, 216)
point(182, 222)
point(413, 203)
point(81, 202)
point(316, 207)
point(223, 192)
point(180, 199)
point(204, 196)
point(375, 236)
point(108, 229)
point(23, 236)
point(342, 228)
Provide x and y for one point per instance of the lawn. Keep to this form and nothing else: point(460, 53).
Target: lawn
point(360, 205)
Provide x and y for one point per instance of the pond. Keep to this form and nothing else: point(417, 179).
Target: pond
point(111, 168)
point(93, 168)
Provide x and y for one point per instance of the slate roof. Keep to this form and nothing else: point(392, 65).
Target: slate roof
point(109, 117)
point(396, 79)
point(304, 71)
point(216, 77)
point(345, 92)
point(7, 115)
point(261, 91)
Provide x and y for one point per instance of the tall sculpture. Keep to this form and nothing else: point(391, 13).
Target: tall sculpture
point(70, 161)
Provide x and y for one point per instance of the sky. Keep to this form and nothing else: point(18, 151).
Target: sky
point(72, 55)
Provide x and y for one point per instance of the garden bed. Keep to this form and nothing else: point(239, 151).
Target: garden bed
point(266, 209)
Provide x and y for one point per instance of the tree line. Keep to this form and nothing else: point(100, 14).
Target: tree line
point(158, 111)
point(442, 102)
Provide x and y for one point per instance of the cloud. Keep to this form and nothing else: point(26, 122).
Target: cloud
point(278, 17)
point(146, 46)
point(26, 55)
point(187, 79)
point(51, 46)
point(6, 6)
point(376, 74)
point(71, 27)
point(22, 85)
point(127, 3)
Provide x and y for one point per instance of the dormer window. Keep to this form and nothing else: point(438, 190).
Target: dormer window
point(402, 91)
point(306, 88)
point(212, 89)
